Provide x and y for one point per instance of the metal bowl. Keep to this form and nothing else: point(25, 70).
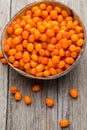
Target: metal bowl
point(20, 13)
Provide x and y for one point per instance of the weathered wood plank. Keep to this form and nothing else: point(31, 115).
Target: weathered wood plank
point(4, 17)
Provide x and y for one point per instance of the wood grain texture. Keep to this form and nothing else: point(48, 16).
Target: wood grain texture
point(38, 116)
point(4, 17)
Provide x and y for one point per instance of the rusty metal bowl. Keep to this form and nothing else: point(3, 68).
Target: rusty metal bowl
point(20, 13)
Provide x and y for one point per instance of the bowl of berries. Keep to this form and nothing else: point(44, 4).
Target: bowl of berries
point(44, 40)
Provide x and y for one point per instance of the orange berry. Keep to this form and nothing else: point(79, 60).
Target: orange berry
point(49, 8)
point(16, 64)
point(64, 13)
point(41, 28)
point(55, 52)
point(74, 37)
point(24, 43)
point(12, 52)
point(16, 40)
point(27, 100)
point(53, 40)
point(78, 49)
point(67, 53)
point(70, 25)
point(31, 38)
point(64, 43)
point(49, 102)
point(26, 66)
point(50, 33)
point(44, 60)
point(26, 57)
point(74, 54)
point(42, 6)
point(61, 52)
point(53, 71)
point(10, 30)
point(34, 57)
point(36, 34)
point(46, 73)
point(18, 96)
point(39, 68)
point(44, 13)
point(36, 88)
point(3, 60)
point(25, 34)
point(40, 74)
point(64, 123)
point(18, 55)
point(30, 47)
point(1, 54)
point(38, 46)
point(33, 64)
point(69, 60)
point(61, 64)
point(60, 18)
point(50, 47)
point(50, 63)
point(19, 48)
point(73, 93)
point(18, 31)
point(22, 23)
point(6, 48)
point(55, 59)
point(72, 48)
point(59, 36)
point(37, 13)
point(80, 42)
point(43, 37)
point(13, 89)
point(11, 59)
point(78, 29)
point(27, 27)
point(58, 9)
point(81, 35)
point(34, 8)
point(53, 14)
point(42, 52)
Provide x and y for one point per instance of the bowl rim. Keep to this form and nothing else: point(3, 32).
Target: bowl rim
point(66, 70)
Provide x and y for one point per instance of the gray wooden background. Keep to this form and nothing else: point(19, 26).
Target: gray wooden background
point(18, 116)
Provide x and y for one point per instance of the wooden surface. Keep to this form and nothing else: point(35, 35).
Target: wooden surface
point(18, 116)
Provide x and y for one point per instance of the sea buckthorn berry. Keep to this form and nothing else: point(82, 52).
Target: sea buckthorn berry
point(39, 68)
point(64, 123)
point(6, 48)
point(18, 96)
point(50, 33)
point(58, 9)
point(80, 42)
point(18, 31)
point(38, 46)
point(40, 74)
point(64, 13)
point(11, 59)
point(37, 13)
point(74, 54)
point(27, 100)
point(1, 54)
point(55, 59)
point(10, 30)
point(53, 71)
point(69, 60)
point(46, 73)
point(3, 61)
point(43, 37)
point(25, 34)
point(16, 40)
point(78, 29)
point(19, 48)
point(50, 47)
point(41, 28)
point(44, 60)
point(61, 52)
point(61, 64)
point(26, 57)
point(72, 48)
point(18, 55)
point(73, 93)
point(33, 64)
point(49, 8)
point(42, 6)
point(34, 8)
point(34, 57)
point(12, 52)
point(53, 14)
point(44, 13)
point(31, 38)
point(30, 47)
point(36, 88)
point(16, 64)
point(60, 18)
point(13, 89)
point(49, 102)
point(74, 37)
point(64, 43)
